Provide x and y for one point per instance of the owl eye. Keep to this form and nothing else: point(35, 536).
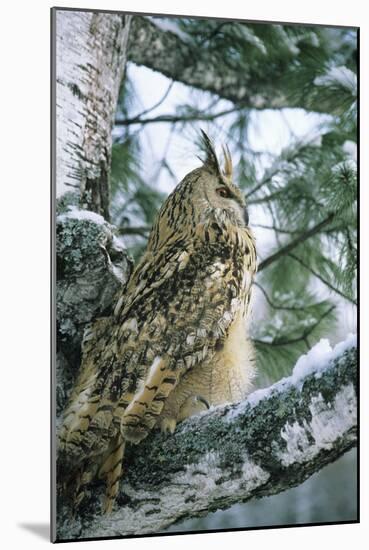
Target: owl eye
point(223, 192)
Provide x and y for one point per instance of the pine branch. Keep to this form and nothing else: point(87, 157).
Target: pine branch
point(322, 279)
point(139, 230)
point(279, 193)
point(276, 229)
point(272, 304)
point(296, 242)
point(156, 105)
point(267, 198)
point(302, 338)
point(267, 179)
point(175, 118)
point(269, 443)
point(290, 154)
point(186, 60)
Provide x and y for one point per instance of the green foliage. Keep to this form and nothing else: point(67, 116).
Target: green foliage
point(293, 320)
point(278, 56)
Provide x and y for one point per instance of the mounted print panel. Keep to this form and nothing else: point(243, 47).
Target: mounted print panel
point(204, 231)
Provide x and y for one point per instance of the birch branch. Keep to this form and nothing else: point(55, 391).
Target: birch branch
point(271, 442)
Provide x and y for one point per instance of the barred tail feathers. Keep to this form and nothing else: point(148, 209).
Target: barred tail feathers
point(111, 470)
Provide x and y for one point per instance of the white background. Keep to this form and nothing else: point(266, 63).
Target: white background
point(24, 218)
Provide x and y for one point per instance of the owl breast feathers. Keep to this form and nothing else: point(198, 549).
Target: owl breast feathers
point(177, 341)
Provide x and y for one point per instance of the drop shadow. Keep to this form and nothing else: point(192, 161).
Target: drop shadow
point(42, 530)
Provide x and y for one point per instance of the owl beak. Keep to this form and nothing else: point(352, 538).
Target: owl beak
point(246, 216)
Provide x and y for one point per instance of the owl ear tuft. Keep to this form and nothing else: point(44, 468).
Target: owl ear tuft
point(211, 162)
point(228, 166)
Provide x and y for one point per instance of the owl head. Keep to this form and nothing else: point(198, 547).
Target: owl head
point(216, 186)
point(206, 193)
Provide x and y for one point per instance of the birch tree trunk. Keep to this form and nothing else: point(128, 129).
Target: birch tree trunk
point(91, 51)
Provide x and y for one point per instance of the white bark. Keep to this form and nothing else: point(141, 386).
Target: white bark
point(90, 61)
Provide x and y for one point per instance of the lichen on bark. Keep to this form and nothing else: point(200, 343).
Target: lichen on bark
point(92, 265)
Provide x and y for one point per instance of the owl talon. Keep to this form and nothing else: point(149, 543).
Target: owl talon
point(107, 506)
point(168, 425)
point(195, 404)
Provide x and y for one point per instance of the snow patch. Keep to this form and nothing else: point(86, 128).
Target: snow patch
point(318, 359)
point(253, 39)
point(313, 39)
point(288, 42)
point(313, 361)
point(350, 148)
point(257, 100)
point(167, 25)
point(316, 141)
point(338, 76)
point(267, 339)
point(76, 214)
point(257, 396)
point(344, 166)
point(341, 347)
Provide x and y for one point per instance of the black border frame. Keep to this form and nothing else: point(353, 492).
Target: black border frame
point(53, 539)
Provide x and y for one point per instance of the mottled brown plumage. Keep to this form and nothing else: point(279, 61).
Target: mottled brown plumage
point(177, 341)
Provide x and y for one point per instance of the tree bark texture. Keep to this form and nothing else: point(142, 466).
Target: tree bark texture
point(92, 265)
point(271, 442)
point(90, 61)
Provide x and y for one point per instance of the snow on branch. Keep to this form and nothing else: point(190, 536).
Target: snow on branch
point(271, 442)
point(338, 77)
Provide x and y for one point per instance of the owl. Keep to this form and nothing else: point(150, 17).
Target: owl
point(177, 341)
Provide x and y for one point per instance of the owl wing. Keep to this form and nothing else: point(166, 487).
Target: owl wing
point(179, 307)
point(188, 318)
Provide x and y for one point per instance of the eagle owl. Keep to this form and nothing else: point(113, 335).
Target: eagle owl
point(177, 341)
